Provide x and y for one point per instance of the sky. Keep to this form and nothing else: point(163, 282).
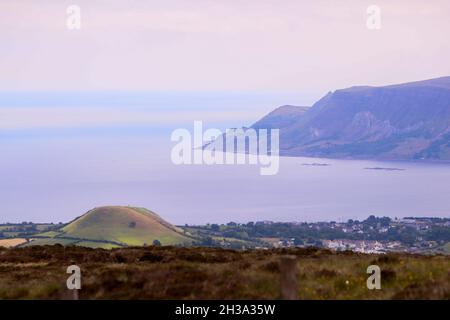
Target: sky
point(228, 62)
point(308, 47)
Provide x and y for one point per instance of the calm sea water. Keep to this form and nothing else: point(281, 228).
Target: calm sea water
point(58, 177)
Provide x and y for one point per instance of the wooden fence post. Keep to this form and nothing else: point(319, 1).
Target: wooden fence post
point(288, 277)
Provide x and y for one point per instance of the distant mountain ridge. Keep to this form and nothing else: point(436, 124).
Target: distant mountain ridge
point(402, 121)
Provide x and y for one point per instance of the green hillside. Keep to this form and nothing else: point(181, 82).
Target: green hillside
point(115, 226)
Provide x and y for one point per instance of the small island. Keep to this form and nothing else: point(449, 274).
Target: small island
point(386, 169)
point(314, 164)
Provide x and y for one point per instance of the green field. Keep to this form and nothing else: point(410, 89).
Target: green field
point(446, 248)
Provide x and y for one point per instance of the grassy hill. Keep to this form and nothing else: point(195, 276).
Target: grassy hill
point(115, 226)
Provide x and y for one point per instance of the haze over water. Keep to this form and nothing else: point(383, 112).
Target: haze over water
point(58, 176)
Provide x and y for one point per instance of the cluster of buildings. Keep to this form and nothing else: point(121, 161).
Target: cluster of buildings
point(363, 246)
point(377, 235)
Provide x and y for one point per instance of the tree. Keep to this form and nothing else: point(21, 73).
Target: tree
point(208, 242)
point(156, 243)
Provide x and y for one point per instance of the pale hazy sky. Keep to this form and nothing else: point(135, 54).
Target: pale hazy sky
point(226, 63)
point(210, 45)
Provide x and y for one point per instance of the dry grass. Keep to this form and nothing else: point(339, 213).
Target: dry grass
point(9, 243)
point(210, 273)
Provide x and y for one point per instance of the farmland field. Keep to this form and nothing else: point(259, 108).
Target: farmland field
point(13, 242)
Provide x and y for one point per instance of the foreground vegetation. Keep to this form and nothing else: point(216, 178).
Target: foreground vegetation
point(39, 272)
